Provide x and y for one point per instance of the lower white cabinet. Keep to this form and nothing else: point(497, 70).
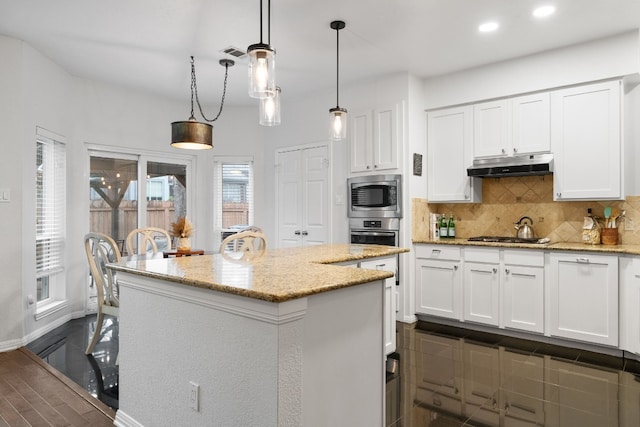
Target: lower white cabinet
point(630, 304)
point(583, 297)
point(481, 284)
point(390, 297)
point(523, 290)
point(439, 281)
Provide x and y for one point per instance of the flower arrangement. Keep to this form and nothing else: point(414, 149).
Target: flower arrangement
point(181, 228)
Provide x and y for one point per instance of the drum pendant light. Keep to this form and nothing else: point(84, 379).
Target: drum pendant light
point(192, 134)
point(337, 114)
point(262, 73)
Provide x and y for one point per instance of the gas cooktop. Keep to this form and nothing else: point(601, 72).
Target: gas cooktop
point(504, 239)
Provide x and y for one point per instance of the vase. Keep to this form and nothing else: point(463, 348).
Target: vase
point(183, 244)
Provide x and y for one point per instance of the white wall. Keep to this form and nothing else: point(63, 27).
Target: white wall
point(615, 56)
point(37, 92)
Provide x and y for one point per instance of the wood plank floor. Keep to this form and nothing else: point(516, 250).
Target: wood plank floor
point(33, 393)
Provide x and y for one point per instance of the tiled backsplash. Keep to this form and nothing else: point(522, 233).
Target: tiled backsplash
point(506, 200)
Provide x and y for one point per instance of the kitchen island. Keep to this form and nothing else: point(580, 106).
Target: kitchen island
point(286, 339)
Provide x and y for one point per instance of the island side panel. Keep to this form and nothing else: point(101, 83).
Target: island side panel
point(343, 353)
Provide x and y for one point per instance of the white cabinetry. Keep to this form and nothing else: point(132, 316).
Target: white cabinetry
point(583, 297)
point(390, 297)
point(512, 126)
point(375, 137)
point(630, 304)
point(523, 290)
point(449, 154)
point(439, 281)
point(587, 143)
point(481, 284)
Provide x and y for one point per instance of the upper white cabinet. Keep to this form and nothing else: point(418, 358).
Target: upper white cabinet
point(449, 153)
point(512, 126)
point(375, 137)
point(583, 297)
point(586, 142)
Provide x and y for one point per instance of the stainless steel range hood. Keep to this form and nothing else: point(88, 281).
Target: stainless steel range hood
point(524, 165)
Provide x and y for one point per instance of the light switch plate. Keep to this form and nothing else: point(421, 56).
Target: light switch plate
point(5, 195)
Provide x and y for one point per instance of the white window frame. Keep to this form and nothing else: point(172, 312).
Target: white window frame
point(217, 192)
point(51, 222)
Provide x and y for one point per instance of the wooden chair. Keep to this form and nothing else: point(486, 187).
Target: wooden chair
point(147, 240)
point(248, 242)
point(101, 250)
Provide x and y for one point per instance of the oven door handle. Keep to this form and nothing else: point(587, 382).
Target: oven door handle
point(372, 233)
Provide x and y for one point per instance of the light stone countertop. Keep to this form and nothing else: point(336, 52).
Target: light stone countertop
point(551, 246)
point(277, 276)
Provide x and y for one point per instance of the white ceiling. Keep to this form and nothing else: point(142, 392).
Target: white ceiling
point(146, 44)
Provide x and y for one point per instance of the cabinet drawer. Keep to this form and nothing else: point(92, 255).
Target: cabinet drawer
point(438, 252)
point(488, 255)
point(531, 258)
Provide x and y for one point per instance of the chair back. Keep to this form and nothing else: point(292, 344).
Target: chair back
point(102, 250)
point(246, 241)
point(144, 239)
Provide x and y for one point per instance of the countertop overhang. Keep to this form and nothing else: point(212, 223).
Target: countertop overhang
point(551, 246)
point(277, 276)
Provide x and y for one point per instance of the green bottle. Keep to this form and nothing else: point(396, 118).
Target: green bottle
point(443, 226)
point(451, 228)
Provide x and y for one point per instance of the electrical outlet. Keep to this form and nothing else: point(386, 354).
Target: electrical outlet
point(628, 224)
point(194, 396)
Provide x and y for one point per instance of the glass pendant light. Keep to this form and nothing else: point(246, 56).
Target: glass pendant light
point(191, 134)
point(270, 109)
point(337, 114)
point(262, 58)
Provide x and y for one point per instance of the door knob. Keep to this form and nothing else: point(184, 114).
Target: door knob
point(305, 233)
point(297, 232)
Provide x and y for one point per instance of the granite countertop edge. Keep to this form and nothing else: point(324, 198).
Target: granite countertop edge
point(282, 275)
point(551, 246)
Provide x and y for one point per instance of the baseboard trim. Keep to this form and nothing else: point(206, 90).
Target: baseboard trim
point(124, 420)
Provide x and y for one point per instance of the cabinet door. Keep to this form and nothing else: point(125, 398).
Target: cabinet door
point(439, 288)
point(387, 264)
point(385, 137)
point(522, 385)
point(450, 152)
point(531, 124)
point(481, 293)
point(586, 142)
point(583, 297)
point(482, 383)
point(629, 304)
point(491, 129)
point(523, 301)
point(360, 137)
point(577, 395)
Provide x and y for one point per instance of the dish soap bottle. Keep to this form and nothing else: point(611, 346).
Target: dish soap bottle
point(451, 228)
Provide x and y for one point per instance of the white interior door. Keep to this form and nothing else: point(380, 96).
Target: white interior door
point(302, 177)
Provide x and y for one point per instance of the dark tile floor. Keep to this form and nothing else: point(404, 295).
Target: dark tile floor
point(445, 376)
point(63, 348)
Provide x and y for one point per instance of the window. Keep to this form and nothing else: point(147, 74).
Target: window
point(50, 213)
point(233, 203)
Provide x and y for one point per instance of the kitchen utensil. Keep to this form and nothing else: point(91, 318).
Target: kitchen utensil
point(525, 231)
point(607, 215)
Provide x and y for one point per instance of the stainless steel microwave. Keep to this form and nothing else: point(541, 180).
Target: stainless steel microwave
point(375, 196)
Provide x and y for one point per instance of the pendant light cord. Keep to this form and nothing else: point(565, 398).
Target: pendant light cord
point(194, 89)
point(337, 67)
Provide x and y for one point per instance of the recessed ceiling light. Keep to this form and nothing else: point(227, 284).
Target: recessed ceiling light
point(544, 11)
point(488, 27)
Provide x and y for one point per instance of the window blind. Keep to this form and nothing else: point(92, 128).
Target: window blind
point(233, 197)
point(50, 205)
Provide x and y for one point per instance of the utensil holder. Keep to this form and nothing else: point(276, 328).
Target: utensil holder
point(609, 236)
